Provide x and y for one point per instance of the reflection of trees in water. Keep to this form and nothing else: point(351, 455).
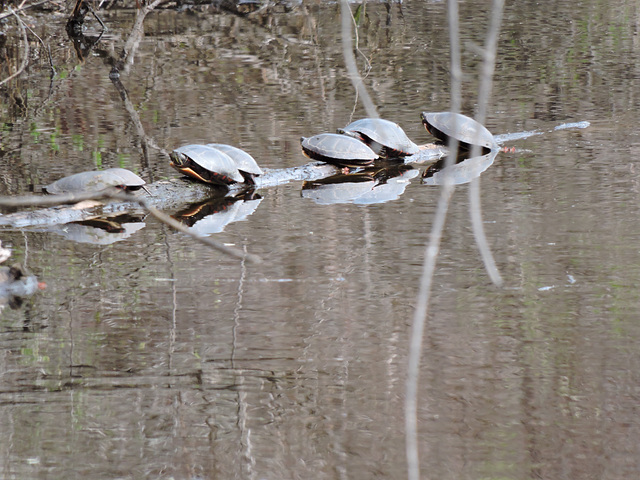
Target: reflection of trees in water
point(277, 71)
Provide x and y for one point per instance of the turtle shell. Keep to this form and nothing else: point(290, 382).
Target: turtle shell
point(206, 164)
point(244, 162)
point(466, 130)
point(340, 150)
point(96, 181)
point(384, 137)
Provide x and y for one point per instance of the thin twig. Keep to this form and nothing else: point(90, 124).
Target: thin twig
point(368, 67)
point(484, 93)
point(97, 17)
point(357, 45)
point(23, 7)
point(350, 61)
point(25, 58)
point(46, 47)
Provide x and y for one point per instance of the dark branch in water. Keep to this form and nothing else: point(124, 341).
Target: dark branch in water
point(147, 140)
point(76, 20)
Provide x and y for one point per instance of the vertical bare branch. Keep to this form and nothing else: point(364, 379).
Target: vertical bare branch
point(25, 57)
point(456, 64)
point(422, 303)
point(350, 60)
point(419, 320)
point(429, 264)
point(484, 93)
point(438, 226)
point(47, 49)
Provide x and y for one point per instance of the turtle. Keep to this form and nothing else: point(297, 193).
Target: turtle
point(245, 163)
point(467, 131)
point(16, 283)
point(340, 150)
point(96, 181)
point(384, 137)
point(206, 164)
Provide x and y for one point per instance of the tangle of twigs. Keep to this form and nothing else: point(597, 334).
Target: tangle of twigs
point(25, 57)
point(23, 7)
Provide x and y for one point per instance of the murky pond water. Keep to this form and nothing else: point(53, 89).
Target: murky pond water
point(156, 357)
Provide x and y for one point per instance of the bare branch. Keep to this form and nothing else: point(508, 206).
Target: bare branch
point(173, 223)
point(429, 263)
point(484, 93)
point(117, 194)
point(23, 7)
point(357, 45)
point(350, 60)
point(46, 47)
point(25, 57)
point(51, 200)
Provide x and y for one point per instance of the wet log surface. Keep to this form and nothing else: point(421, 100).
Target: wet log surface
point(164, 194)
point(176, 193)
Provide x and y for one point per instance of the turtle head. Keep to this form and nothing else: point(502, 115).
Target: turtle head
point(352, 134)
point(178, 159)
point(425, 122)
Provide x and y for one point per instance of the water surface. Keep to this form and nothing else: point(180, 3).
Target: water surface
point(156, 357)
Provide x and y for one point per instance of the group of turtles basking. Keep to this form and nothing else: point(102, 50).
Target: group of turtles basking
point(364, 141)
point(359, 144)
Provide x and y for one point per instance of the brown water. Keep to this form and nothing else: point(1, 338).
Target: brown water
point(156, 357)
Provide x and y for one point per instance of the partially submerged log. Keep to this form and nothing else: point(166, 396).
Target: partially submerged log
point(165, 195)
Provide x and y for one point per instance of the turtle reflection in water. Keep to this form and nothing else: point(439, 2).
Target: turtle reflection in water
point(369, 186)
point(94, 181)
point(215, 163)
point(462, 171)
point(213, 215)
point(384, 137)
point(468, 132)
